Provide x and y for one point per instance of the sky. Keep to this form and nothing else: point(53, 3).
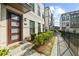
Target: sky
point(59, 8)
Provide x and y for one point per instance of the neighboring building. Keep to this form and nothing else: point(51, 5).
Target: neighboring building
point(70, 21)
point(33, 20)
point(52, 22)
point(48, 19)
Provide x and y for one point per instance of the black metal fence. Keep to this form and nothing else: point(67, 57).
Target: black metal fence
point(72, 40)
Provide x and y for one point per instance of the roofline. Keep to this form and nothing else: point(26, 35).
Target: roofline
point(69, 12)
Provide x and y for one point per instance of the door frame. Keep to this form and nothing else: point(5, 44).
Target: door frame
point(8, 24)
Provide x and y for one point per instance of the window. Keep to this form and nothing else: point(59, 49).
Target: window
point(39, 27)
point(43, 16)
point(38, 10)
point(74, 25)
point(63, 18)
point(62, 23)
point(78, 15)
point(63, 28)
point(67, 24)
point(67, 18)
point(15, 30)
point(74, 16)
point(43, 27)
point(32, 27)
point(15, 17)
point(33, 7)
point(14, 24)
point(14, 37)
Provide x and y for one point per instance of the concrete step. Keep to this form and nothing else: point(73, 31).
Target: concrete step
point(20, 50)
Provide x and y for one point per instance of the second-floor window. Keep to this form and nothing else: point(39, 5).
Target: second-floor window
point(33, 7)
point(63, 18)
point(39, 10)
point(67, 18)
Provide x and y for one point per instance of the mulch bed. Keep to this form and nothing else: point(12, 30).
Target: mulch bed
point(46, 48)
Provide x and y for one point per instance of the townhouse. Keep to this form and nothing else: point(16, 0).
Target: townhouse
point(52, 22)
point(33, 20)
point(48, 19)
point(11, 19)
point(17, 22)
point(70, 21)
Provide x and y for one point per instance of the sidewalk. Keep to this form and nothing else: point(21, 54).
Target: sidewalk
point(62, 47)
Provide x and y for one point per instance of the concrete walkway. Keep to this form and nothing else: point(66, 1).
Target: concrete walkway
point(62, 47)
point(35, 53)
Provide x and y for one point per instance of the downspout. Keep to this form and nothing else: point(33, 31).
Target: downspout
point(48, 19)
point(0, 15)
point(0, 12)
point(44, 18)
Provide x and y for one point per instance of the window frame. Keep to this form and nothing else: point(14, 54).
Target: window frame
point(32, 27)
point(39, 27)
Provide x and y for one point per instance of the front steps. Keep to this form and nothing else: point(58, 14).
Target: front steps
point(21, 49)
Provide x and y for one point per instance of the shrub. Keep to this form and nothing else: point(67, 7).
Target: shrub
point(41, 38)
point(33, 36)
point(40, 32)
point(4, 52)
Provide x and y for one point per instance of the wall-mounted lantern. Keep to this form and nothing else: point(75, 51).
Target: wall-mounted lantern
point(25, 19)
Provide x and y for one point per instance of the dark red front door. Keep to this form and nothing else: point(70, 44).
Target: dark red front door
point(14, 27)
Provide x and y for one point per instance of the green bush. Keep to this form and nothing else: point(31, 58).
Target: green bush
point(33, 36)
point(40, 32)
point(41, 38)
point(4, 52)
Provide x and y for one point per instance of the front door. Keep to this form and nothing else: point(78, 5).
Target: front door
point(14, 27)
